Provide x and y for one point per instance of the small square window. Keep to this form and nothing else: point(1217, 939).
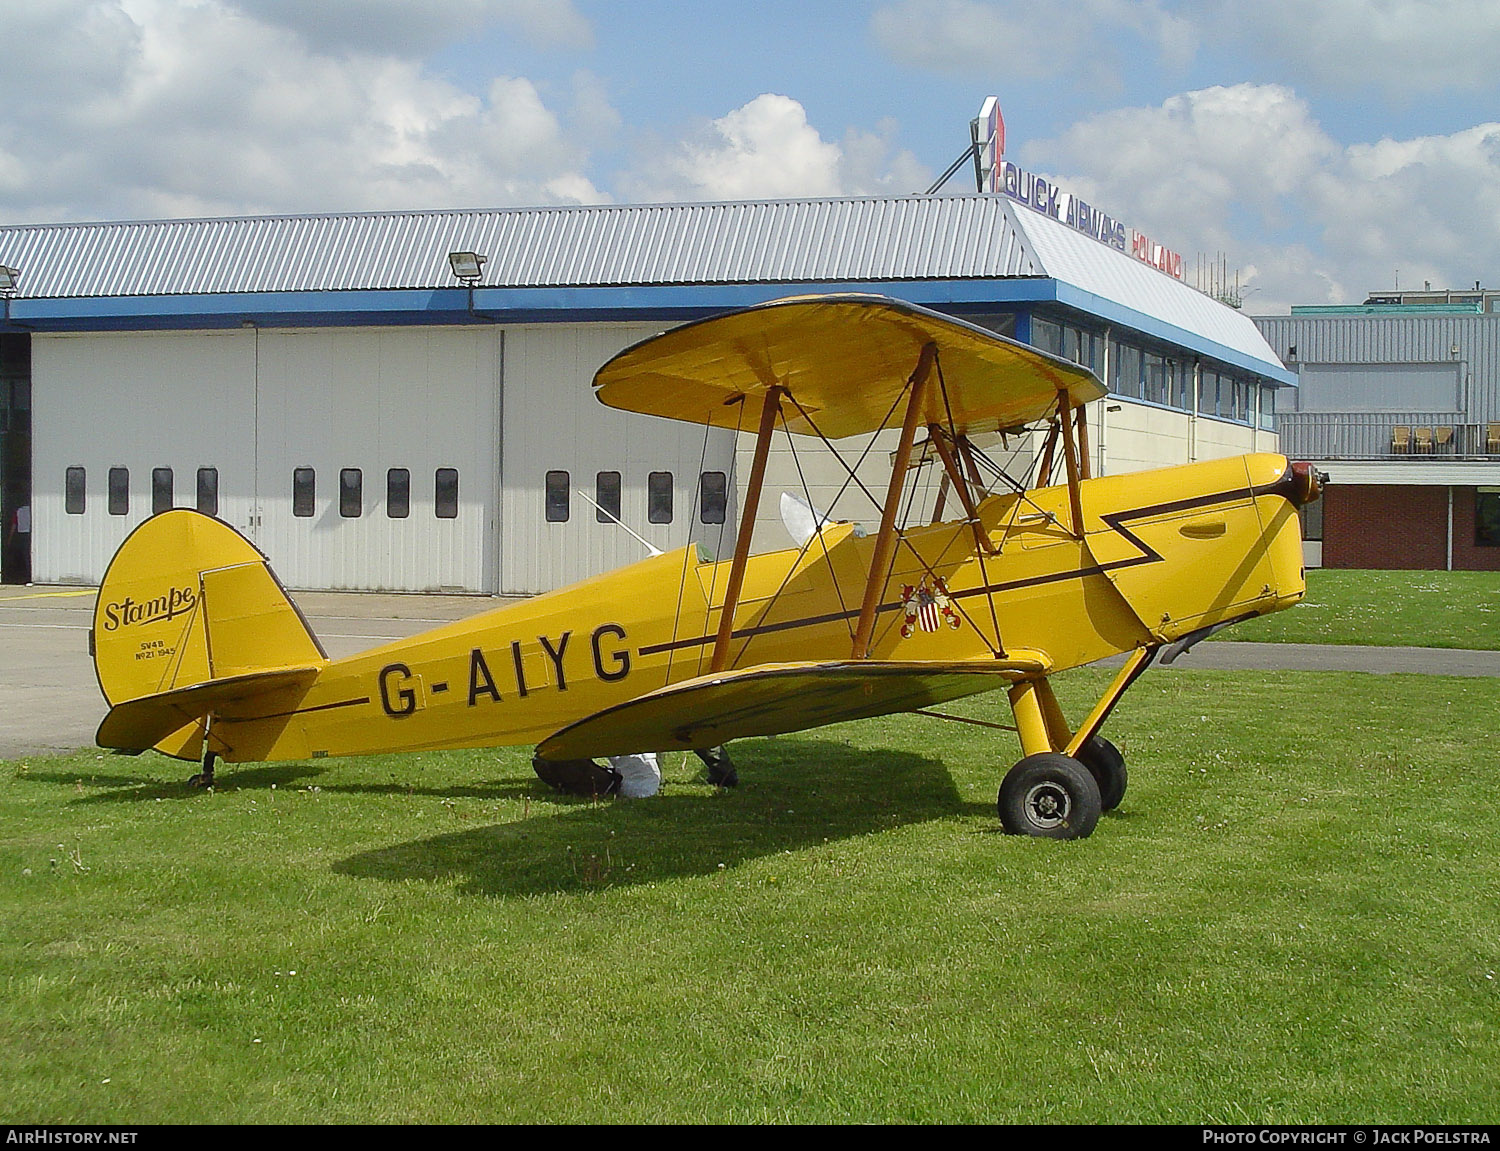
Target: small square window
point(75, 491)
point(304, 491)
point(208, 491)
point(659, 497)
point(607, 496)
point(1312, 520)
point(161, 490)
point(446, 495)
point(119, 491)
point(1487, 518)
point(713, 497)
point(557, 498)
point(351, 493)
point(397, 494)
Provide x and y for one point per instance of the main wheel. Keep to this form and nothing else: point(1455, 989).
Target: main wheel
point(1107, 766)
point(1049, 795)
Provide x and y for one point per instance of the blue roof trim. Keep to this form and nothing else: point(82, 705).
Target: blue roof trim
point(366, 307)
point(490, 305)
point(1117, 313)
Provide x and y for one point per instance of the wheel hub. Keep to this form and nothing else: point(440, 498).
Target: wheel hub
point(1048, 804)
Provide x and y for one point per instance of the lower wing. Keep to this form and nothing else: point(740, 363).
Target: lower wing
point(773, 699)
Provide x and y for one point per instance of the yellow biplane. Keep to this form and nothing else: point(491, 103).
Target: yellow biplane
point(202, 655)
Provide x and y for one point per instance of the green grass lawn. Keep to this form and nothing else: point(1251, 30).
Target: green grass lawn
point(1292, 918)
point(1387, 608)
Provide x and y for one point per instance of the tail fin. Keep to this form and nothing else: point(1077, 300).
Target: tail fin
point(188, 600)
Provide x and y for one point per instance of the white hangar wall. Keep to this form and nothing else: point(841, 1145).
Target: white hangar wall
point(422, 401)
point(554, 426)
point(252, 408)
point(137, 402)
point(351, 413)
point(505, 411)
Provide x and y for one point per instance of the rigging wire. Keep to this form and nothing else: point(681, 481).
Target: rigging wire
point(984, 572)
point(801, 551)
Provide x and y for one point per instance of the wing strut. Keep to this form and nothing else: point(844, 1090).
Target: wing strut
point(885, 542)
point(1070, 459)
point(769, 412)
point(951, 474)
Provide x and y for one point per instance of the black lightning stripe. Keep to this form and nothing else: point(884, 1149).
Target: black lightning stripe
point(1116, 521)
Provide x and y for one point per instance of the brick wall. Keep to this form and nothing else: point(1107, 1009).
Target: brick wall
point(1401, 526)
point(1467, 557)
point(1386, 526)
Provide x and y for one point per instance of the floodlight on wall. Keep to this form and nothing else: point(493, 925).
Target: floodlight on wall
point(467, 266)
point(8, 279)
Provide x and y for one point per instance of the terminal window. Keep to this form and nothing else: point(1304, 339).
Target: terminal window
point(208, 491)
point(607, 496)
point(659, 497)
point(161, 490)
point(397, 493)
point(1487, 518)
point(304, 491)
point(446, 494)
point(74, 491)
point(119, 491)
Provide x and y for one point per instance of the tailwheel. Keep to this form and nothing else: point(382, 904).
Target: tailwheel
point(1050, 795)
point(1107, 766)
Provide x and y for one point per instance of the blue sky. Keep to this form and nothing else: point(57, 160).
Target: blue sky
point(1324, 148)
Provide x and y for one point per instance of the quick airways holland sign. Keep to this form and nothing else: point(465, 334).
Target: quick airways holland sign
point(1040, 195)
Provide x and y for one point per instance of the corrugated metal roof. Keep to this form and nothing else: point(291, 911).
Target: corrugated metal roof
point(1077, 259)
point(859, 240)
point(914, 237)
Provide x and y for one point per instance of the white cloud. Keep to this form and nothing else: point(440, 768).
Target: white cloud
point(183, 108)
point(1401, 46)
point(1081, 40)
point(413, 27)
point(767, 149)
point(1182, 162)
point(1247, 171)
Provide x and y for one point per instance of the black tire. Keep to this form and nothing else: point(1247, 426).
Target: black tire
point(577, 776)
point(1049, 795)
point(1107, 766)
point(721, 772)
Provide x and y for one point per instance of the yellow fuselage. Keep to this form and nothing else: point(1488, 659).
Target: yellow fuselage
point(1162, 554)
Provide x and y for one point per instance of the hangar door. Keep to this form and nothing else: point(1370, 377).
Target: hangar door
point(377, 457)
point(354, 458)
point(573, 467)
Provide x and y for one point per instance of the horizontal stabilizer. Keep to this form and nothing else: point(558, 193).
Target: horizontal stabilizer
point(777, 698)
point(141, 723)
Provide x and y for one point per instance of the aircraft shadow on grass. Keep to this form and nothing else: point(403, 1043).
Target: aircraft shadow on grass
point(795, 794)
point(144, 788)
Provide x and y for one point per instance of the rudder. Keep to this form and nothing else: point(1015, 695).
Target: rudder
point(187, 600)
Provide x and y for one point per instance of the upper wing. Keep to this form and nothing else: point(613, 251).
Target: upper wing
point(777, 698)
point(845, 359)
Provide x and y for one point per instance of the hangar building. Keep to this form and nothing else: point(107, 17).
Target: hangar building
point(328, 386)
point(1400, 404)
